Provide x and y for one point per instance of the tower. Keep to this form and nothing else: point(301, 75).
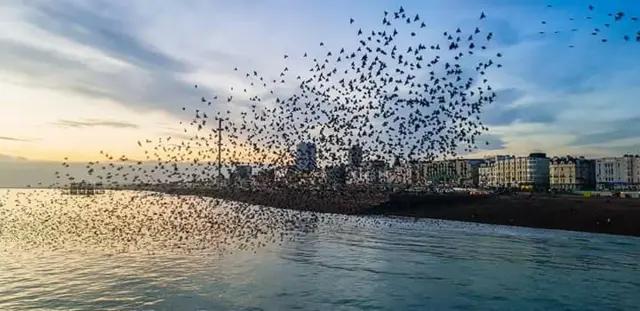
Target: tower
point(355, 156)
point(305, 157)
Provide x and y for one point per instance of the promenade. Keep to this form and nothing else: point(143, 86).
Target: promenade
point(567, 212)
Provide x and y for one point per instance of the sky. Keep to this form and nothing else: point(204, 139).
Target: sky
point(77, 77)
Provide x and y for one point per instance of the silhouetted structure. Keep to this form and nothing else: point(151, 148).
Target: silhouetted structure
point(306, 157)
point(355, 156)
point(84, 188)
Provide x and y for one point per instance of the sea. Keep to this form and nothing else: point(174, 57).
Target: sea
point(70, 253)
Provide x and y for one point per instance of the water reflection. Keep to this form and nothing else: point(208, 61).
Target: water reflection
point(339, 263)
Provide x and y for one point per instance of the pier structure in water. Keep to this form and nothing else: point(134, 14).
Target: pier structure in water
point(84, 188)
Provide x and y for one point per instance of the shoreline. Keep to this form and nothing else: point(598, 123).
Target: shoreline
point(610, 215)
point(596, 215)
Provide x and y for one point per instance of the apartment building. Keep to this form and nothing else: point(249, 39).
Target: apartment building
point(511, 171)
point(306, 157)
point(571, 173)
point(371, 172)
point(618, 172)
point(461, 172)
point(636, 169)
point(406, 173)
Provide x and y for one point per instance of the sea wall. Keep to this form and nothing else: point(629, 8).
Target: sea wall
point(600, 215)
point(322, 201)
point(567, 212)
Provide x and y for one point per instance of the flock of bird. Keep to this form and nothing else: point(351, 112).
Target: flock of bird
point(414, 101)
point(393, 100)
point(390, 92)
point(610, 20)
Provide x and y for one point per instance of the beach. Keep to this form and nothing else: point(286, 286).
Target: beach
point(610, 215)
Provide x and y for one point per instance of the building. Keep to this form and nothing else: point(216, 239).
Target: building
point(243, 172)
point(336, 174)
point(459, 172)
point(241, 175)
point(305, 157)
point(511, 171)
point(571, 173)
point(265, 177)
point(618, 172)
point(402, 173)
point(489, 171)
point(371, 172)
point(636, 170)
point(355, 156)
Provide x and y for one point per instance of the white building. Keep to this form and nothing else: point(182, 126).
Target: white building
point(460, 172)
point(636, 169)
point(511, 171)
point(305, 157)
point(404, 173)
point(571, 173)
point(618, 172)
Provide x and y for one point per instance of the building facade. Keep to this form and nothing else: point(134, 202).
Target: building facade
point(402, 173)
point(243, 172)
point(571, 173)
point(336, 174)
point(355, 156)
point(636, 170)
point(459, 172)
point(371, 172)
point(618, 172)
point(241, 175)
point(511, 171)
point(306, 157)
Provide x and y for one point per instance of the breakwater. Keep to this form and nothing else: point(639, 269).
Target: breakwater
point(566, 212)
point(599, 215)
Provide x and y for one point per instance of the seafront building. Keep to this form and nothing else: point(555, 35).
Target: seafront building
point(336, 174)
point(512, 171)
point(305, 157)
point(370, 172)
point(241, 175)
point(618, 172)
point(402, 173)
point(535, 171)
point(459, 172)
point(243, 171)
point(494, 171)
point(572, 173)
point(636, 169)
point(355, 156)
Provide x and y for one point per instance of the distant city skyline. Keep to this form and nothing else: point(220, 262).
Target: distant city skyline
point(125, 77)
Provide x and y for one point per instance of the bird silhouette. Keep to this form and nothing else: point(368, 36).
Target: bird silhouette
point(392, 93)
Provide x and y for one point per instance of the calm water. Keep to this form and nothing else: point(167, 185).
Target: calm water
point(345, 264)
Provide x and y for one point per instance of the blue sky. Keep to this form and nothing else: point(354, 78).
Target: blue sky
point(81, 76)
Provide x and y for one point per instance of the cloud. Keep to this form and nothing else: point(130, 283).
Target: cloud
point(528, 114)
point(104, 29)
point(147, 57)
point(490, 142)
point(92, 123)
point(609, 132)
point(10, 158)
point(7, 138)
point(142, 77)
